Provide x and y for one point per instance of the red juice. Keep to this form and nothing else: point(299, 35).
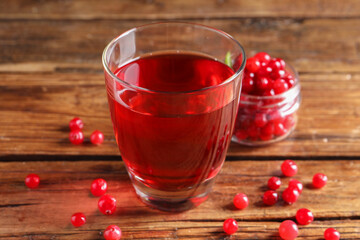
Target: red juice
point(175, 135)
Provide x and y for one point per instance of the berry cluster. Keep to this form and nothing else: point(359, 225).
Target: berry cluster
point(264, 114)
point(288, 229)
point(76, 135)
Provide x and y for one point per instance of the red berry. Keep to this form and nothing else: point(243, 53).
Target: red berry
point(32, 180)
point(97, 137)
point(253, 131)
point(290, 195)
point(76, 137)
point(304, 216)
point(270, 197)
point(263, 83)
point(274, 183)
point(319, 180)
point(331, 234)
point(289, 168)
point(78, 219)
point(264, 71)
point(112, 232)
point(107, 204)
point(252, 64)
point(280, 86)
point(279, 129)
point(263, 57)
point(296, 184)
point(241, 201)
point(260, 120)
point(230, 226)
point(275, 74)
point(288, 230)
point(98, 187)
point(269, 92)
point(247, 85)
point(277, 64)
point(76, 124)
point(241, 134)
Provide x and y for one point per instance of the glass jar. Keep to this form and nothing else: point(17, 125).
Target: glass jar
point(267, 119)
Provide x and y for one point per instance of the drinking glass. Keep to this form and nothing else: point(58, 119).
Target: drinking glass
point(173, 143)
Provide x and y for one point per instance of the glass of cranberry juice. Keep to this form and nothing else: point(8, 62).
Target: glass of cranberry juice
point(173, 94)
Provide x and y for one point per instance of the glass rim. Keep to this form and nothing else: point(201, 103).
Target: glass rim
point(220, 32)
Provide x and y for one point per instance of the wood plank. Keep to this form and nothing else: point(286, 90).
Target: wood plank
point(36, 108)
point(175, 9)
point(45, 213)
point(39, 45)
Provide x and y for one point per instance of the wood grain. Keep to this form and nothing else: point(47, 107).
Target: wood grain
point(65, 186)
point(175, 9)
point(38, 106)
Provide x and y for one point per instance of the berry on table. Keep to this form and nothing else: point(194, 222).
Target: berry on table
point(230, 226)
point(76, 124)
point(32, 180)
point(78, 219)
point(270, 197)
point(274, 183)
point(319, 180)
point(107, 204)
point(76, 137)
point(112, 232)
point(304, 216)
point(98, 187)
point(241, 201)
point(331, 234)
point(290, 195)
point(288, 230)
point(289, 168)
point(296, 184)
point(97, 137)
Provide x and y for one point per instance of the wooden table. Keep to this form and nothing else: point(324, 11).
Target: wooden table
point(50, 71)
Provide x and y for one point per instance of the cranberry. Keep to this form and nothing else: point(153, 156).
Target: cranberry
point(263, 57)
point(319, 180)
point(241, 201)
point(267, 131)
point(112, 232)
point(270, 197)
point(296, 184)
point(304, 216)
point(269, 92)
point(274, 183)
point(253, 131)
point(264, 72)
point(97, 137)
point(289, 168)
point(288, 230)
point(277, 64)
point(263, 83)
point(279, 129)
point(247, 85)
point(76, 124)
point(241, 134)
point(98, 187)
point(78, 219)
point(32, 180)
point(230, 226)
point(290, 195)
point(280, 86)
point(107, 204)
point(260, 120)
point(76, 137)
point(275, 74)
point(331, 234)
point(252, 64)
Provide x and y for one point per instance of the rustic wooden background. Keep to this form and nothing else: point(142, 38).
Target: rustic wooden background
point(50, 71)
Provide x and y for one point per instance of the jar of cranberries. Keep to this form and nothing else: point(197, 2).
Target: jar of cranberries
point(269, 101)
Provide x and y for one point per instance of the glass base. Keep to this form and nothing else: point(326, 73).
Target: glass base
point(172, 201)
